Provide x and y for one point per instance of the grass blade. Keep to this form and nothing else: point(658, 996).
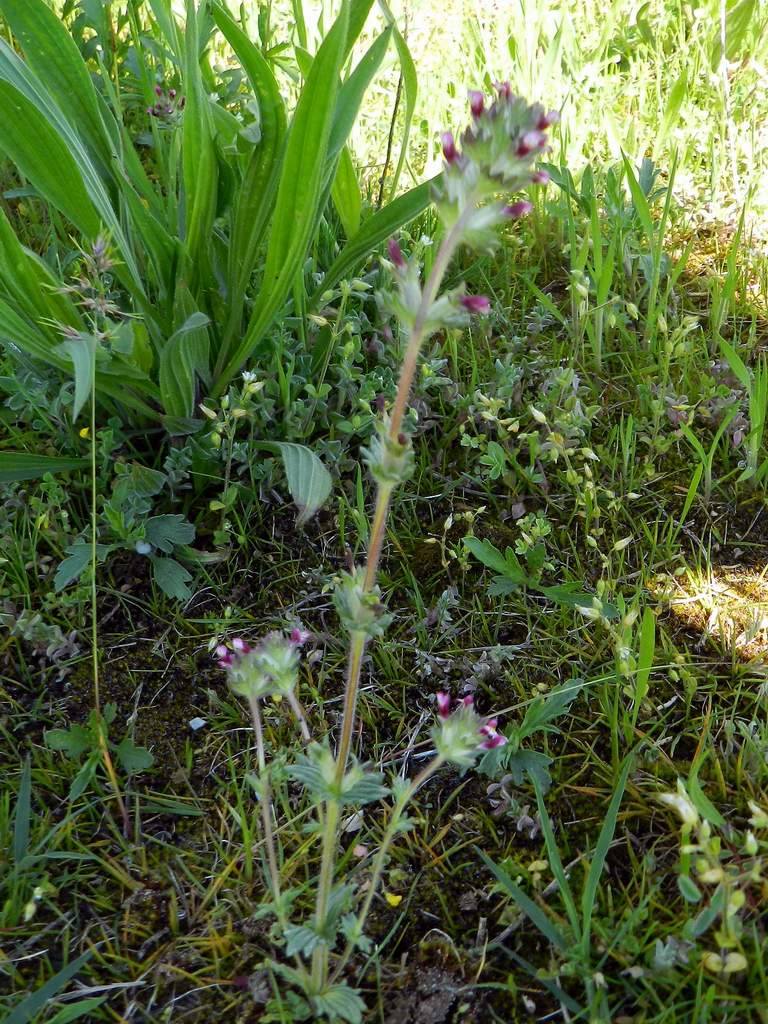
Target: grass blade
point(531, 910)
point(376, 229)
point(25, 466)
point(604, 841)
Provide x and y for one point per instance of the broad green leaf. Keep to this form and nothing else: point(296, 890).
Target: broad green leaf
point(300, 191)
point(646, 651)
point(486, 553)
point(52, 54)
point(22, 813)
point(688, 889)
point(543, 710)
point(25, 466)
point(167, 531)
point(308, 480)
point(736, 363)
point(138, 481)
point(78, 558)
point(738, 17)
point(83, 778)
point(699, 798)
point(352, 92)
point(82, 352)
point(340, 1002)
point(677, 95)
point(74, 741)
point(639, 201)
point(199, 163)
point(132, 758)
point(346, 194)
point(30, 284)
point(301, 940)
point(42, 156)
point(256, 195)
point(171, 577)
point(184, 356)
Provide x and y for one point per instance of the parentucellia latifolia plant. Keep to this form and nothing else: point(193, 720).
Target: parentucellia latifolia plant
point(495, 155)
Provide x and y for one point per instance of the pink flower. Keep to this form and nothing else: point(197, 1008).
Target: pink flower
point(518, 210)
point(476, 303)
point(226, 659)
point(443, 704)
point(476, 102)
point(548, 120)
point(504, 89)
point(450, 152)
point(395, 253)
point(539, 178)
point(492, 738)
point(158, 90)
point(299, 636)
point(531, 141)
point(241, 646)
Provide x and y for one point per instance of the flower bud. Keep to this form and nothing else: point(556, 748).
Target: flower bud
point(476, 102)
point(548, 120)
point(360, 610)
point(462, 734)
point(449, 148)
point(395, 253)
point(476, 303)
point(390, 460)
point(518, 210)
point(540, 178)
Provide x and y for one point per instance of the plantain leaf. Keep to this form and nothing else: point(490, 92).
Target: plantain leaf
point(299, 195)
point(52, 54)
point(376, 229)
point(346, 194)
point(42, 156)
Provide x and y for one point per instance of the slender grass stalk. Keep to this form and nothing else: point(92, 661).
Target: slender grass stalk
point(102, 737)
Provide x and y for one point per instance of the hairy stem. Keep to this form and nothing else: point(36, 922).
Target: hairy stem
point(265, 802)
point(324, 886)
point(381, 856)
point(300, 717)
point(376, 541)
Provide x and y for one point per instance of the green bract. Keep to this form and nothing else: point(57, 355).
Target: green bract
point(360, 610)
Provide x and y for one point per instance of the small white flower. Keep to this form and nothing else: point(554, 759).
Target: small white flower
point(681, 803)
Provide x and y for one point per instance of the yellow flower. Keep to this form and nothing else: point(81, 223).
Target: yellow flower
point(392, 899)
point(85, 432)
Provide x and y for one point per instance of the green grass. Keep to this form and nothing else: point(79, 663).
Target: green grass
point(583, 397)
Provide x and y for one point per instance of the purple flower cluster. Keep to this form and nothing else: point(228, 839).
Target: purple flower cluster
point(502, 140)
point(168, 102)
point(270, 668)
point(461, 732)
